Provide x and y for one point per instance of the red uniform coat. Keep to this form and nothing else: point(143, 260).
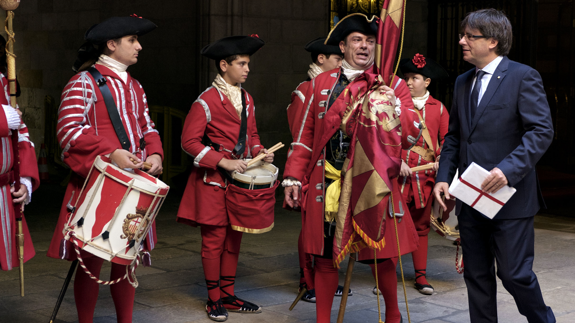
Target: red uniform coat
point(310, 171)
point(28, 168)
point(296, 106)
point(213, 114)
point(85, 131)
point(420, 184)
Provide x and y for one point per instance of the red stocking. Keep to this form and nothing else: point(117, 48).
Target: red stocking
point(122, 294)
point(229, 262)
point(212, 275)
point(326, 279)
point(213, 238)
point(305, 264)
point(86, 289)
point(302, 257)
point(420, 261)
point(387, 283)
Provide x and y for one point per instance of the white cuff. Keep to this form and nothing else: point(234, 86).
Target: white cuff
point(290, 182)
point(12, 117)
point(28, 182)
point(397, 106)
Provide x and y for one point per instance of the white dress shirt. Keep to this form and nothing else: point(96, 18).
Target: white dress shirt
point(489, 70)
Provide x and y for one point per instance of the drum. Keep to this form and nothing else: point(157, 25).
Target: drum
point(250, 199)
point(257, 176)
point(115, 211)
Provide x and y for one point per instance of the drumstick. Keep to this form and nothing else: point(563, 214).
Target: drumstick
point(423, 167)
point(146, 166)
point(262, 156)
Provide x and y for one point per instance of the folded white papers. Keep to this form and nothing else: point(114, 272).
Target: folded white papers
point(468, 189)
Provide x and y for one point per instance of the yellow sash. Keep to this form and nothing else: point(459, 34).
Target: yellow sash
point(332, 193)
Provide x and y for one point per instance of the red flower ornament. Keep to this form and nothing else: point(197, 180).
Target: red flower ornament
point(418, 60)
point(135, 16)
point(254, 36)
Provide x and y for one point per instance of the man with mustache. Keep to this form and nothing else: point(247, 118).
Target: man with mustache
point(322, 148)
point(500, 120)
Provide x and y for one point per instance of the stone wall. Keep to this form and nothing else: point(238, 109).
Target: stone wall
point(416, 25)
point(276, 69)
point(48, 33)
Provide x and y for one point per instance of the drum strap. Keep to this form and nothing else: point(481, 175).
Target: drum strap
point(112, 109)
point(241, 145)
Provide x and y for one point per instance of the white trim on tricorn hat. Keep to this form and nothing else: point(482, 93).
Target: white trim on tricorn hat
point(349, 24)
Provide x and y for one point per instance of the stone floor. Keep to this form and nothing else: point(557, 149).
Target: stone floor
point(173, 289)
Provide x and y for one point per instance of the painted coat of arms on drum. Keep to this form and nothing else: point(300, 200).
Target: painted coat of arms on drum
point(134, 221)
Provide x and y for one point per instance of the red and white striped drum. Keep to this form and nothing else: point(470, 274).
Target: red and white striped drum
point(115, 211)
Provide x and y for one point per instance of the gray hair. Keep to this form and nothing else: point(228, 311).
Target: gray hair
point(493, 24)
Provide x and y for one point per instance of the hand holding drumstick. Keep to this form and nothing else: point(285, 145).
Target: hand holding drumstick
point(266, 155)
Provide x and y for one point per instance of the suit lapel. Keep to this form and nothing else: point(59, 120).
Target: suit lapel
point(494, 83)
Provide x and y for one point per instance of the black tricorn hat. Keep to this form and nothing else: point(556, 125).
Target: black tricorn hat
point(424, 66)
point(117, 27)
point(317, 46)
point(234, 45)
point(350, 23)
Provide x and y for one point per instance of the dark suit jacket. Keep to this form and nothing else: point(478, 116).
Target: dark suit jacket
point(511, 130)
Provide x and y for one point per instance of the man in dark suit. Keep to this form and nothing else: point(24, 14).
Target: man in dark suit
point(500, 119)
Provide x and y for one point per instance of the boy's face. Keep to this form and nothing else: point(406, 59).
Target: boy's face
point(417, 84)
point(328, 64)
point(237, 71)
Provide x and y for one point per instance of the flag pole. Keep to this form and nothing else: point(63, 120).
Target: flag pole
point(10, 6)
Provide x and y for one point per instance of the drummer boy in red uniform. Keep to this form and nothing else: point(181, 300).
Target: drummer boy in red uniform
point(211, 135)
point(85, 131)
point(417, 187)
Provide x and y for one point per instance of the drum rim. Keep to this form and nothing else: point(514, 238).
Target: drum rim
point(140, 183)
point(247, 179)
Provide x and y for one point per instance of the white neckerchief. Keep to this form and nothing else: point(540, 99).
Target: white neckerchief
point(314, 70)
point(351, 72)
point(233, 92)
point(115, 66)
point(419, 102)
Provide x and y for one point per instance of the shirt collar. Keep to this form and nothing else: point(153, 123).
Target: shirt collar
point(491, 67)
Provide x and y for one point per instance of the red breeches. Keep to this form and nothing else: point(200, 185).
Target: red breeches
point(421, 217)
